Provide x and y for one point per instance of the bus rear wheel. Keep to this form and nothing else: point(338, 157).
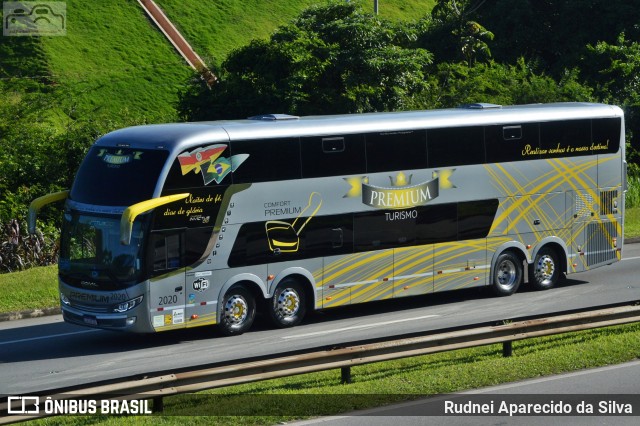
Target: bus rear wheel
point(507, 274)
point(238, 311)
point(544, 270)
point(287, 307)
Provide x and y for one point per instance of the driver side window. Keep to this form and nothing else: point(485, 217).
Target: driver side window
point(166, 249)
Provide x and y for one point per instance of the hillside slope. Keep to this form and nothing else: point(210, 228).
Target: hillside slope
point(113, 64)
point(113, 61)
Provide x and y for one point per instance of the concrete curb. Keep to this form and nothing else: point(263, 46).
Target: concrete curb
point(34, 313)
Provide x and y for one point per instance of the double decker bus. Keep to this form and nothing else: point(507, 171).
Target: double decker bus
point(182, 225)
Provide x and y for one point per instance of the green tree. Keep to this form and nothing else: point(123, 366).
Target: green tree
point(554, 33)
point(454, 26)
point(331, 59)
point(502, 84)
point(613, 69)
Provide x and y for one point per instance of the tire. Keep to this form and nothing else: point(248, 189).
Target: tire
point(238, 311)
point(545, 270)
point(288, 305)
point(507, 274)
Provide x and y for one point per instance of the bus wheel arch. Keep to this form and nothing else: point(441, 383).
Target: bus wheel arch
point(292, 298)
point(507, 272)
point(548, 266)
point(238, 308)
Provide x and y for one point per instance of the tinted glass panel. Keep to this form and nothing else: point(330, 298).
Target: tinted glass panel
point(166, 252)
point(332, 145)
point(396, 151)
point(267, 160)
point(475, 218)
point(565, 138)
point(606, 135)
point(455, 146)
point(384, 229)
point(117, 176)
point(197, 240)
point(437, 224)
point(511, 142)
point(272, 241)
point(322, 156)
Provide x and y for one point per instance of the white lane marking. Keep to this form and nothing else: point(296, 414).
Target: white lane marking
point(357, 327)
point(631, 258)
point(47, 337)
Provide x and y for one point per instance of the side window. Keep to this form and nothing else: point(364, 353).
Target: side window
point(565, 138)
point(437, 224)
point(455, 146)
point(166, 252)
point(197, 240)
point(396, 151)
point(475, 218)
point(512, 142)
point(266, 160)
point(332, 155)
point(605, 134)
point(322, 236)
point(379, 230)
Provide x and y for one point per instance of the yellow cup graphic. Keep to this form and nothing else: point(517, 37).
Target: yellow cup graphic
point(284, 237)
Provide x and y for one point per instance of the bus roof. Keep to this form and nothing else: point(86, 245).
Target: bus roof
point(181, 136)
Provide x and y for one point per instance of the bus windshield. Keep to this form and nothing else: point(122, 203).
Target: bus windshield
point(91, 254)
point(117, 176)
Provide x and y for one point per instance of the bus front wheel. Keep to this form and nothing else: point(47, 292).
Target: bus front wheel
point(507, 274)
point(238, 311)
point(287, 307)
point(544, 270)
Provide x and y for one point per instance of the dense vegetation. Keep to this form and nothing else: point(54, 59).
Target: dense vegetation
point(58, 94)
point(338, 58)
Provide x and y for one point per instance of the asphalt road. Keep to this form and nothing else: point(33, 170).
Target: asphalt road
point(45, 353)
point(605, 390)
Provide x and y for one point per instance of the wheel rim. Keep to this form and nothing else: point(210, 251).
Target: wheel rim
point(507, 274)
point(545, 269)
point(236, 310)
point(287, 304)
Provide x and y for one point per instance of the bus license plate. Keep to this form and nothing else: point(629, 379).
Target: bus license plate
point(90, 320)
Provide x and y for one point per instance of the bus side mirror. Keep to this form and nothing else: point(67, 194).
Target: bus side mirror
point(40, 202)
point(131, 212)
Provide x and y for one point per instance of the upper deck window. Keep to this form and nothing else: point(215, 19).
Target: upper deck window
point(455, 146)
point(333, 155)
point(117, 176)
point(388, 151)
point(512, 142)
point(267, 160)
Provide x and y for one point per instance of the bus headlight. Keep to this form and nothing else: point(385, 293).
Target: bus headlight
point(128, 305)
point(65, 301)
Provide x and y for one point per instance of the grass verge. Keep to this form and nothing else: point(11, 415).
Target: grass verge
point(35, 288)
point(632, 223)
point(383, 383)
